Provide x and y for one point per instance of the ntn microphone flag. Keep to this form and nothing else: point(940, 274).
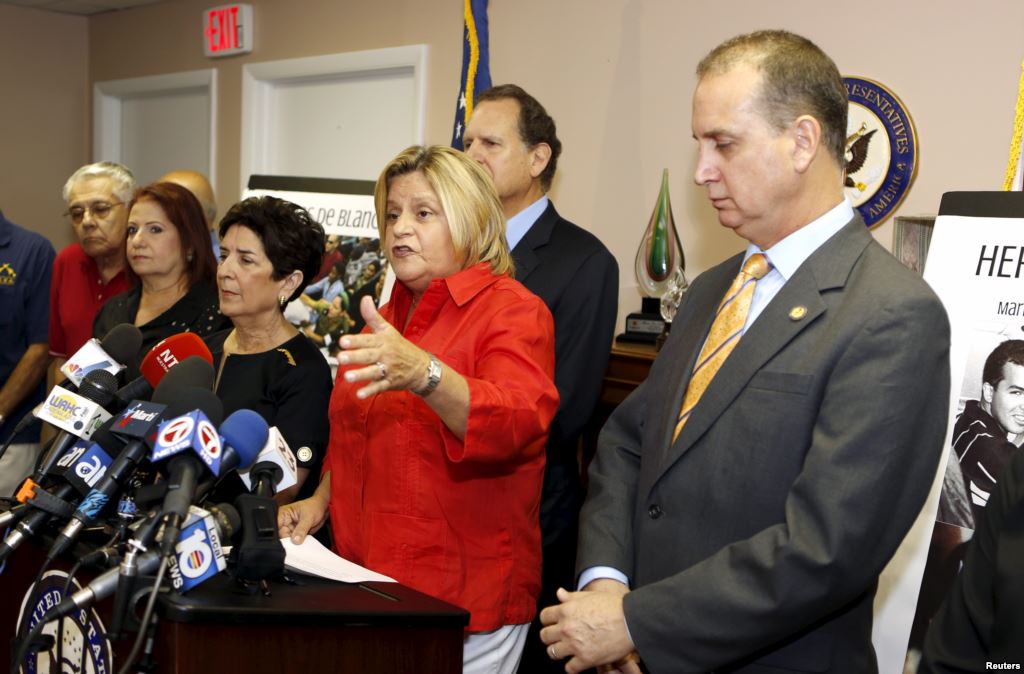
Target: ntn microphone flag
point(476, 65)
point(169, 352)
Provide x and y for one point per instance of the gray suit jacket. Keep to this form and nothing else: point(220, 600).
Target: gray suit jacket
point(754, 542)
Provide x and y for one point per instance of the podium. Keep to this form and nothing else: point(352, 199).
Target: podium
point(318, 626)
point(310, 624)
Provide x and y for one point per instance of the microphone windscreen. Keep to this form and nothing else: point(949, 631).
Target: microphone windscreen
point(183, 400)
point(246, 432)
point(169, 352)
point(229, 522)
point(122, 343)
point(99, 386)
point(193, 371)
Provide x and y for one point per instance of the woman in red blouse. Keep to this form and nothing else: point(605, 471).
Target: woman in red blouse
point(441, 410)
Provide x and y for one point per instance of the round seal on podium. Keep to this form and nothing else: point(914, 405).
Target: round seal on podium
point(78, 638)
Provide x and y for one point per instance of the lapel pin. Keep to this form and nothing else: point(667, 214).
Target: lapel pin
point(797, 313)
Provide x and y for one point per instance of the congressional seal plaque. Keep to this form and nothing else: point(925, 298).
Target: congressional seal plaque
point(881, 150)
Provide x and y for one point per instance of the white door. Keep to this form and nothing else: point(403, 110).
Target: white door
point(157, 124)
point(335, 116)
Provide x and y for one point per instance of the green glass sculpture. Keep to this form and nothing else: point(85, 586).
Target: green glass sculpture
point(660, 266)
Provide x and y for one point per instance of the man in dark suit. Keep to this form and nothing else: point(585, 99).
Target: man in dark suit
point(511, 135)
point(747, 531)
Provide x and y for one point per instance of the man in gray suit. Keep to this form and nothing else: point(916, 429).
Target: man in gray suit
point(752, 541)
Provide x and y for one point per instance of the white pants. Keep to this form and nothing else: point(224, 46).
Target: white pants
point(496, 652)
point(17, 463)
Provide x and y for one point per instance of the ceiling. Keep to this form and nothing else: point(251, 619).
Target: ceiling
point(81, 7)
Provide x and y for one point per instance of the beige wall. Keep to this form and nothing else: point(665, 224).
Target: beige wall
point(617, 76)
point(166, 38)
point(43, 135)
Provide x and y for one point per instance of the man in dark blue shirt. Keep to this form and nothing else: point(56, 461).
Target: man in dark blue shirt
point(26, 262)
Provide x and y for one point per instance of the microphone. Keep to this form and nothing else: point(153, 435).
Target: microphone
point(169, 354)
point(136, 424)
point(275, 468)
point(32, 521)
point(198, 554)
point(46, 502)
point(195, 447)
point(13, 515)
point(101, 587)
point(83, 465)
point(77, 415)
point(181, 442)
point(118, 347)
point(259, 554)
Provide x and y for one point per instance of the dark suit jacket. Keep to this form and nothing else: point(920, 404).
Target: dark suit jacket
point(578, 279)
point(754, 542)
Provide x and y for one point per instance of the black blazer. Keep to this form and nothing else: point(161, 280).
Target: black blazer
point(578, 279)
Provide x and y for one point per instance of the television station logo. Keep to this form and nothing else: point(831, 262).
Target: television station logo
point(193, 430)
point(88, 358)
point(72, 413)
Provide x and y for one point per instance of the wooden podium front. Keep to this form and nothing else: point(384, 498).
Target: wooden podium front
point(315, 626)
point(310, 624)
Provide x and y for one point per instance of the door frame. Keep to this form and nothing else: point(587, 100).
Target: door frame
point(259, 79)
point(108, 101)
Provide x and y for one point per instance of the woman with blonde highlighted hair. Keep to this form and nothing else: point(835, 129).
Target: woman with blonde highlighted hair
point(441, 410)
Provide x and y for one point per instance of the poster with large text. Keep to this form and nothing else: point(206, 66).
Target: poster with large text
point(974, 264)
point(354, 265)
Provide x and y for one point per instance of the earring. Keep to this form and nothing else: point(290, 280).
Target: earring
point(283, 300)
point(188, 258)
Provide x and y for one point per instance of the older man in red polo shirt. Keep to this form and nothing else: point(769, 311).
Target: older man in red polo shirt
point(86, 274)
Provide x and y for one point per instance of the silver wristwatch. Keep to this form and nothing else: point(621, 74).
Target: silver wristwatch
point(433, 377)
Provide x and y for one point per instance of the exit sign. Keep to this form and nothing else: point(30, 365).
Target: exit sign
point(227, 30)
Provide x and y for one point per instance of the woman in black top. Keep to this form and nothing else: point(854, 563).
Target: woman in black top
point(172, 265)
point(270, 249)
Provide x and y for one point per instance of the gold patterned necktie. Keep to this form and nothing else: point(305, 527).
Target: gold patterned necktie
point(725, 333)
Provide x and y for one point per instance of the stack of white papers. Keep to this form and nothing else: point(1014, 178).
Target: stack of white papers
point(314, 559)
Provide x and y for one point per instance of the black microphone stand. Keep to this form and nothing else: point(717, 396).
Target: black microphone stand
point(259, 555)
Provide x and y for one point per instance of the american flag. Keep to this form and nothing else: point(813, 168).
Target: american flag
point(476, 65)
point(1014, 180)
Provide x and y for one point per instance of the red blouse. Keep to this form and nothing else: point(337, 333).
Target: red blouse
point(454, 519)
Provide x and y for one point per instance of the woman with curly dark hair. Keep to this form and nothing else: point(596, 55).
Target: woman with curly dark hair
point(270, 249)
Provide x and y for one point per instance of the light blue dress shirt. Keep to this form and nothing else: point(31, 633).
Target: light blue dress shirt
point(520, 223)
